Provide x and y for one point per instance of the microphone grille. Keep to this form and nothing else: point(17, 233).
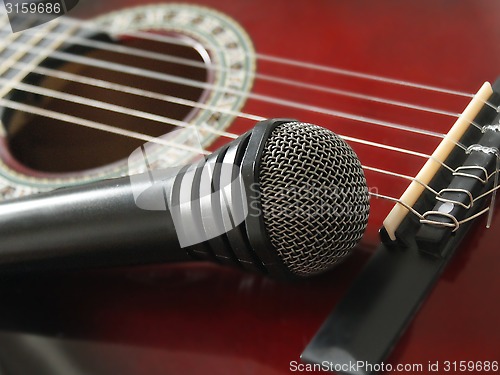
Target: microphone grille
point(314, 198)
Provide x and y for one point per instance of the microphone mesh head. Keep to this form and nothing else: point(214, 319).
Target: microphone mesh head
point(314, 198)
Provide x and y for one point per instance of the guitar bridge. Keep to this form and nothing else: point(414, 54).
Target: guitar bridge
point(419, 237)
point(463, 198)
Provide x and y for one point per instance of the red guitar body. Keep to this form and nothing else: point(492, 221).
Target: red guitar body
point(202, 318)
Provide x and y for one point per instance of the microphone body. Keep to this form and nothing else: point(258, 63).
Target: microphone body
point(130, 220)
point(90, 225)
point(268, 213)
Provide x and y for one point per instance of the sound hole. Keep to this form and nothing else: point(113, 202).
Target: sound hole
point(55, 146)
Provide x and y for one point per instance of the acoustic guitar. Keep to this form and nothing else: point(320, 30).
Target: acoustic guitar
point(80, 93)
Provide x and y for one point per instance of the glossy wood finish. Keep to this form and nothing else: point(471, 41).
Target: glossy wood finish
point(205, 319)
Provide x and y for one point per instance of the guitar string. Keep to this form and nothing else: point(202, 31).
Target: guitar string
point(145, 93)
point(90, 81)
point(131, 90)
point(157, 118)
point(366, 143)
point(119, 109)
point(422, 217)
point(124, 110)
point(145, 115)
point(380, 196)
point(183, 61)
point(108, 128)
point(110, 47)
point(442, 135)
point(280, 80)
point(208, 86)
point(117, 87)
point(33, 40)
point(349, 138)
point(339, 114)
point(92, 26)
point(94, 125)
point(285, 61)
point(478, 214)
point(146, 136)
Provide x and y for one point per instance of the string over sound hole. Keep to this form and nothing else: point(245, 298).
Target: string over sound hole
point(99, 93)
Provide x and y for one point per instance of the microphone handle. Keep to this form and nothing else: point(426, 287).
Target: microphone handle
point(91, 225)
point(215, 203)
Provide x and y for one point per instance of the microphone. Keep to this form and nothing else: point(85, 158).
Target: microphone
point(286, 199)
